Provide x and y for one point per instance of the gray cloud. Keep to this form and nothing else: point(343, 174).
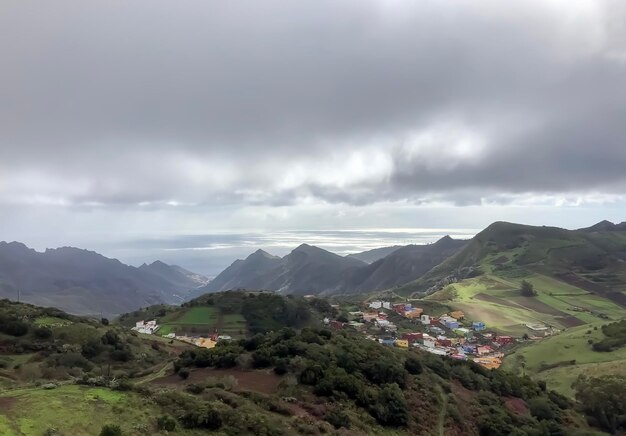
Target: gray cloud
point(151, 104)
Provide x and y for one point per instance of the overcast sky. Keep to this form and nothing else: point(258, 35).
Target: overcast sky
point(125, 125)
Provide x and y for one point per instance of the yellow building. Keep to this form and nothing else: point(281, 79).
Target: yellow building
point(402, 343)
point(488, 362)
point(457, 314)
point(415, 313)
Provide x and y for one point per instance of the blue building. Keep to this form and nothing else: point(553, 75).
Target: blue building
point(478, 326)
point(452, 324)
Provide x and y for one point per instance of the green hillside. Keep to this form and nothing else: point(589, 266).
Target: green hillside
point(559, 360)
point(579, 277)
point(65, 375)
point(237, 314)
point(579, 282)
point(591, 261)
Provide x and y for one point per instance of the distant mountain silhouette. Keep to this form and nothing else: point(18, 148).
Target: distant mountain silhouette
point(371, 256)
point(313, 270)
point(85, 282)
point(405, 264)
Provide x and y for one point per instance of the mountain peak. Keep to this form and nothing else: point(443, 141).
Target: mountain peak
point(445, 239)
point(260, 254)
point(602, 226)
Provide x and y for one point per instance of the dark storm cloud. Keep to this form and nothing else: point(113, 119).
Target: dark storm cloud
point(204, 103)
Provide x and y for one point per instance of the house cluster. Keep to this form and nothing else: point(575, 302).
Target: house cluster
point(446, 335)
point(146, 327)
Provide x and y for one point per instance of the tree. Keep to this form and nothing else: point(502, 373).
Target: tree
point(541, 408)
point(602, 400)
point(390, 407)
point(527, 289)
point(104, 321)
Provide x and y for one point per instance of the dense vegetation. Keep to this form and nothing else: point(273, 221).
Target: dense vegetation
point(262, 311)
point(46, 344)
point(603, 401)
point(615, 337)
point(353, 376)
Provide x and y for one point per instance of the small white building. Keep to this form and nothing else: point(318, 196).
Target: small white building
point(380, 305)
point(146, 327)
point(429, 343)
point(425, 319)
point(382, 322)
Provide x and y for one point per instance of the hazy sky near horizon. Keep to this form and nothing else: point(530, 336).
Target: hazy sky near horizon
point(125, 126)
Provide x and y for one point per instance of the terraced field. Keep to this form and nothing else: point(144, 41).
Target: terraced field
point(497, 301)
point(203, 320)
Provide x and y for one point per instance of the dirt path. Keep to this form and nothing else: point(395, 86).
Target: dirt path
point(441, 419)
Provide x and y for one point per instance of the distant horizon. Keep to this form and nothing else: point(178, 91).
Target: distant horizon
point(211, 253)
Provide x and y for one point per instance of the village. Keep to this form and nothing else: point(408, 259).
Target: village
point(446, 335)
point(402, 325)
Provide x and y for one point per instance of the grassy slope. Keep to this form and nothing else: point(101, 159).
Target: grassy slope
point(564, 348)
point(72, 409)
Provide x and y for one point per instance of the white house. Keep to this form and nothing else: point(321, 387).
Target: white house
point(146, 327)
point(380, 305)
point(429, 343)
point(425, 319)
point(382, 322)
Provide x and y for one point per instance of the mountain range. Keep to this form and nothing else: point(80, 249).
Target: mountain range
point(85, 282)
point(312, 270)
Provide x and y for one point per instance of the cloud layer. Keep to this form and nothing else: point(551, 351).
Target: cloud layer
point(150, 116)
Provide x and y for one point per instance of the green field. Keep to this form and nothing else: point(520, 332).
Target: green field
point(72, 410)
point(52, 321)
point(561, 351)
point(233, 325)
point(203, 320)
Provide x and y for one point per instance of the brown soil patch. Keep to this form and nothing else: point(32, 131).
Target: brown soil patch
point(6, 403)
point(570, 321)
point(497, 300)
point(538, 306)
point(502, 259)
point(595, 288)
point(255, 381)
point(516, 406)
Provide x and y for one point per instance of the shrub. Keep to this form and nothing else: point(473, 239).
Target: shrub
point(42, 333)
point(166, 423)
point(183, 373)
point(338, 418)
point(541, 408)
point(527, 289)
point(413, 365)
point(195, 389)
point(14, 328)
point(390, 407)
point(111, 430)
